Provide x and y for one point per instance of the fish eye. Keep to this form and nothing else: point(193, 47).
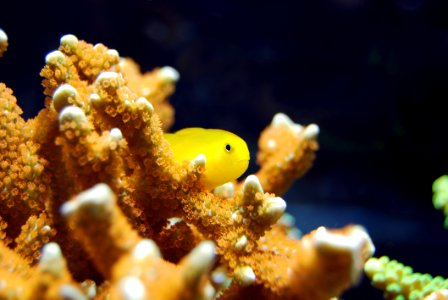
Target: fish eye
point(228, 147)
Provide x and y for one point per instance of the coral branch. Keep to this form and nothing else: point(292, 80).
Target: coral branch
point(23, 184)
point(398, 280)
point(93, 179)
point(3, 42)
point(440, 197)
point(100, 225)
point(286, 152)
point(142, 274)
point(156, 85)
point(34, 234)
point(51, 279)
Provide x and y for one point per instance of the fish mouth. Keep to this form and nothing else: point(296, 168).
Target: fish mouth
point(242, 161)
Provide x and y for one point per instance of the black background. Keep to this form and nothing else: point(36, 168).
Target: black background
point(372, 74)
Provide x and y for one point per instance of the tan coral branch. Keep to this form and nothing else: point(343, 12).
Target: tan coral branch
point(286, 152)
point(101, 226)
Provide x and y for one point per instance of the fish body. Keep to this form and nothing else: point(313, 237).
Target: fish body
point(227, 155)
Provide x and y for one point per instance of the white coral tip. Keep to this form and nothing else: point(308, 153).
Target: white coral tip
point(252, 184)
point(245, 275)
point(145, 249)
point(274, 208)
point(219, 276)
point(209, 292)
point(202, 255)
point(70, 292)
point(227, 190)
point(241, 242)
point(61, 95)
point(281, 119)
point(51, 260)
point(90, 288)
point(199, 261)
point(107, 75)
point(116, 135)
point(311, 131)
point(144, 103)
point(69, 40)
point(168, 74)
point(355, 241)
point(54, 57)
point(94, 99)
point(72, 113)
point(373, 266)
point(438, 295)
point(199, 161)
point(132, 288)
point(113, 52)
point(98, 195)
point(3, 36)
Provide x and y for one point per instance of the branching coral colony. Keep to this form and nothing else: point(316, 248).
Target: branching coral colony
point(93, 206)
point(399, 281)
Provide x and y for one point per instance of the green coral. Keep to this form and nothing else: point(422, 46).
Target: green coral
point(440, 196)
point(399, 282)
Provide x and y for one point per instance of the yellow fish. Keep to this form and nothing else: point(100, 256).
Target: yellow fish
point(227, 155)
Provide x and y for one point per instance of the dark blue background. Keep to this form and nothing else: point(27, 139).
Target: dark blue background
point(372, 74)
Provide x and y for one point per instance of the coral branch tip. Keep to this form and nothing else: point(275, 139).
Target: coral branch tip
point(311, 131)
point(54, 57)
point(99, 195)
point(169, 74)
point(69, 40)
point(199, 161)
point(72, 113)
point(51, 260)
point(144, 103)
point(252, 184)
point(146, 248)
point(274, 208)
point(245, 275)
point(132, 288)
point(199, 261)
point(3, 36)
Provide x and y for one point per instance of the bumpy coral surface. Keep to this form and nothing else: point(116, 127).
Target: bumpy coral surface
point(400, 282)
point(440, 196)
point(93, 205)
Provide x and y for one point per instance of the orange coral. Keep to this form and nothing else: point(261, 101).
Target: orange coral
point(100, 143)
point(23, 183)
point(286, 152)
point(156, 85)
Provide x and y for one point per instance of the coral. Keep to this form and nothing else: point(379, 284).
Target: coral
point(286, 152)
point(3, 42)
point(400, 282)
point(156, 85)
point(438, 295)
point(440, 196)
point(92, 181)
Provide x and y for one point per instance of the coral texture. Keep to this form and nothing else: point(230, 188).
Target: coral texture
point(440, 196)
point(93, 205)
point(400, 282)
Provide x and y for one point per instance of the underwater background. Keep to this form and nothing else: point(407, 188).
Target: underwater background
point(372, 74)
